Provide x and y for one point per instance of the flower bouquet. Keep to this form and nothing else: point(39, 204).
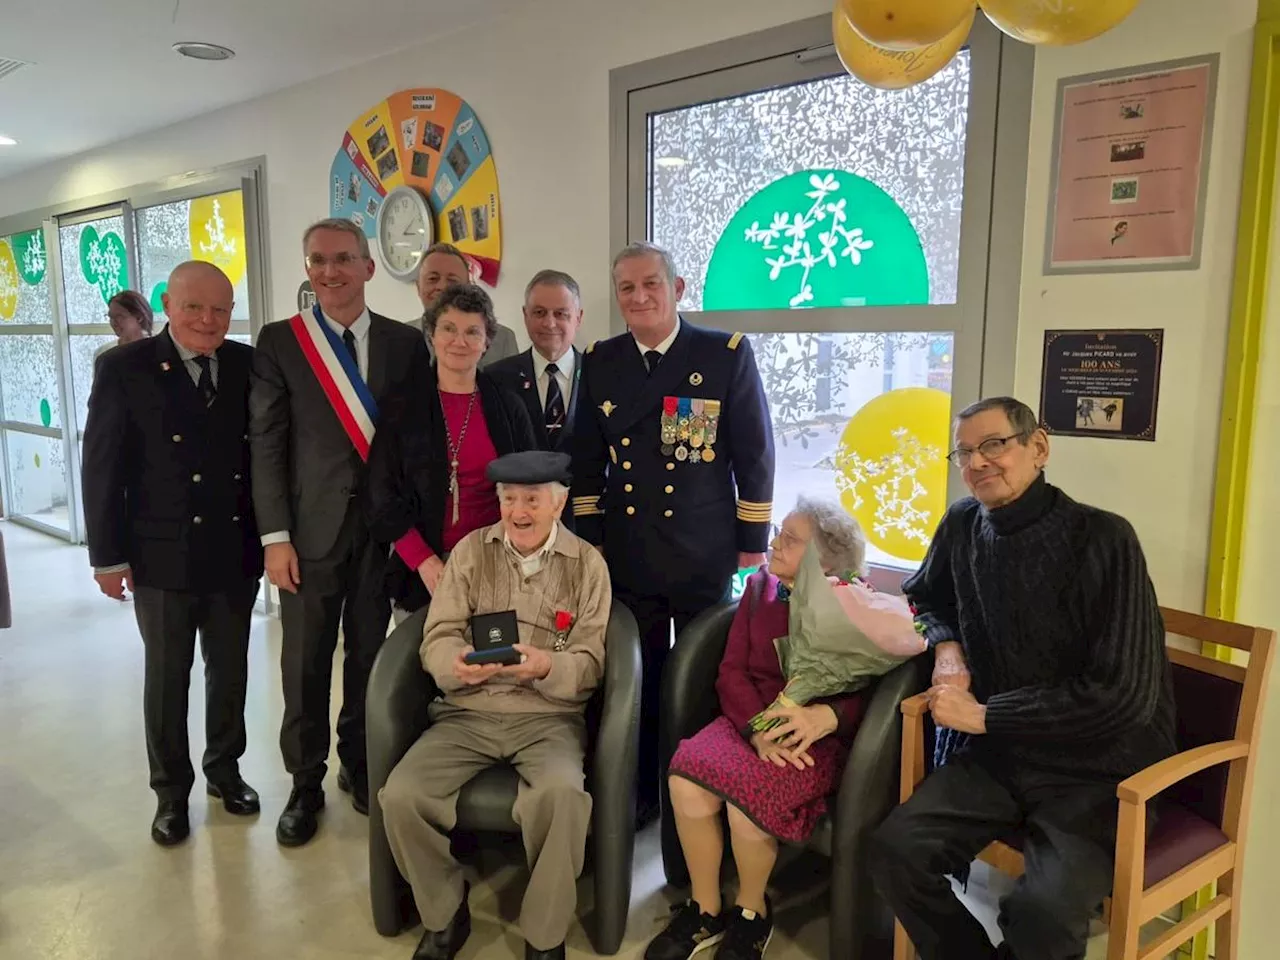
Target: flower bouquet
point(840, 635)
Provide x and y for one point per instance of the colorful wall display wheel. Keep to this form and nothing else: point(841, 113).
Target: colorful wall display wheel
point(432, 140)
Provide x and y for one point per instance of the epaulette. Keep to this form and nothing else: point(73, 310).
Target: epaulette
point(734, 341)
point(592, 347)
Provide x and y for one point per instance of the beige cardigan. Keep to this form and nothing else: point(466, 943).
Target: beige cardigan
point(482, 576)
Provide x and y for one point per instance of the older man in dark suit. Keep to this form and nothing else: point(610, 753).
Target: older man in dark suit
point(545, 376)
point(318, 380)
point(168, 512)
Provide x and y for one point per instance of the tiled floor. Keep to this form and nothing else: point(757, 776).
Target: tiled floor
point(80, 880)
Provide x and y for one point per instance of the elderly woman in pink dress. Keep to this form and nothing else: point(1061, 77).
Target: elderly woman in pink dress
point(774, 783)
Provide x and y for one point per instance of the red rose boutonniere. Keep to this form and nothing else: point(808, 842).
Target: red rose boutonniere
point(564, 620)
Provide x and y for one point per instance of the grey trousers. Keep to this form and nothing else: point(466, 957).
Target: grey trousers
point(419, 808)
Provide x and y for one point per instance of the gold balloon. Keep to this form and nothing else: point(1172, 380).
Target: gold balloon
point(895, 69)
point(905, 24)
point(1056, 23)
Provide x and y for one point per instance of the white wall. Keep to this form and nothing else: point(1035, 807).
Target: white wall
point(1258, 605)
point(539, 80)
point(1165, 488)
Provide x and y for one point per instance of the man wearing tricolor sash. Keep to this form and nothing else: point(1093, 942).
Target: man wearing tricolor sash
point(317, 382)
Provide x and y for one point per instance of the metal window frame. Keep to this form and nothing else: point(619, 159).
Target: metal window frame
point(984, 320)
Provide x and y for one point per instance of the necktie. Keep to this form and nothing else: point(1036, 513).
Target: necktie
point(553, 410)
point(349, 339)
point(204, 385)
point(652, 358)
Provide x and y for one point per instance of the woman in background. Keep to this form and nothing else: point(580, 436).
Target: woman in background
point(131, 319)
point(435, 437)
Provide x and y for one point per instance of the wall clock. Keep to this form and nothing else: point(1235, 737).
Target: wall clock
point(404, 231)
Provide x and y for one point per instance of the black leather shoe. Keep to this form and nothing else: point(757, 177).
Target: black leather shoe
point(445, 944)
point(300, 819)
point(555, 953)
point(357, 786)
point(236, 795)
point(171, 826)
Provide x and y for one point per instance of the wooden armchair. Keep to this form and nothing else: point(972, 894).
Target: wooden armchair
point(1202, 794)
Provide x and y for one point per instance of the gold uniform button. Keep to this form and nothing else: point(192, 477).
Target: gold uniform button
point(196, 478)
point(236, 477)
point(670, 465)
point(177, 438)
point(197, 519)
point(236, 518)
point(628, 488)
point(631, 511)
point(667, 513)
point(670, 488)
point(626, 464)
point(626, 441)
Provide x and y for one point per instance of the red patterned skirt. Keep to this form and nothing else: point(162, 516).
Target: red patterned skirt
point(782, 801)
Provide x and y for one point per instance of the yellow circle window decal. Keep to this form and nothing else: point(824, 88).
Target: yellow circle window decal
point(216, 227)
point(891, 469)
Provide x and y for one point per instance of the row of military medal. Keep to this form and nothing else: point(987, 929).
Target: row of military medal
point(689, 426)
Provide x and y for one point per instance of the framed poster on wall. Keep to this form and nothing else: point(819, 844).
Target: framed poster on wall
point(1131, 168)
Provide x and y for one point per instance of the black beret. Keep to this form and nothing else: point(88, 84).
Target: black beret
point(530, 467)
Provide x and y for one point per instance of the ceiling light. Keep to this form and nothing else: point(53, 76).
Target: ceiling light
point(671, 161)
point(7, 141)
point(198, 50)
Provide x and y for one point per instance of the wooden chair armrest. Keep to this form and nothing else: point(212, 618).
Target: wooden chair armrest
point(916, 706)
point(1145, 784)
point(913, 765)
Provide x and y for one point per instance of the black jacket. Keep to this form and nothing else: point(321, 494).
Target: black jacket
point(408, 467)
point(166, 479)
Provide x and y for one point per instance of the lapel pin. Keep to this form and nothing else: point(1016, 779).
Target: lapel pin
point(695, 379)
point(164, 365)
point(608, 407)
point(526, 384)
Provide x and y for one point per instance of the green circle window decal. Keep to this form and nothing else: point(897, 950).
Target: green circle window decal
point(103, 262)
point(817, 238)
point(28, 250)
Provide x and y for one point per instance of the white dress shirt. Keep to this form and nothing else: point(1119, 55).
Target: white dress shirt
point(564, 377)
point(360, 330)
point(531, 564)
point(664, 346)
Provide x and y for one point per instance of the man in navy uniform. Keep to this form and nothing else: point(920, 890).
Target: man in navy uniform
point(672, 469)
point(168, 514)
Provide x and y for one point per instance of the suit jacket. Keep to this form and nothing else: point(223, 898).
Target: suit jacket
point(673, 520)
point(408, 468)
point(516, 375)
point(504, 344)
point(306, 473)
point(166, 479)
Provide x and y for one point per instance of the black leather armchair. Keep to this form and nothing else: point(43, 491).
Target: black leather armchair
point(861, 925)
point(396, 715)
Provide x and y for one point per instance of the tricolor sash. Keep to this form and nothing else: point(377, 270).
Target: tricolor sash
point(339, 377)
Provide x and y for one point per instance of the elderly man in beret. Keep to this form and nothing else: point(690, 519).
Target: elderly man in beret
point(529, 580)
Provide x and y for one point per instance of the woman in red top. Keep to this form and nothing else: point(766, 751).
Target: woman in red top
point(434, 439)
point(775, 791)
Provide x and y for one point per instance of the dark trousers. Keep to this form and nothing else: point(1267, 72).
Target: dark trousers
point(343, 588)
point(169, 621)
point(655, 616)
point(1068, 826)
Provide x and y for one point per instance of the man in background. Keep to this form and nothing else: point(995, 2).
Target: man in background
point(443, 266)
point(169, 517)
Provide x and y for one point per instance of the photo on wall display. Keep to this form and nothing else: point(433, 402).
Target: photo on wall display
point(409, 132)
point(1124, 191)
point(420, 165)
point(1101, 383)
point(388, 164)
point(458, 224)
point(458, 160)
point(432, 135)
point(1127, 152)
point(379, 143)
point(480, 222)
point(353, 188)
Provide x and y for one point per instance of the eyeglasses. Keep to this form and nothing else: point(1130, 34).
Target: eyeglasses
point(788, 539)
point(471, 334)
point(990, 449)
point(318, 261)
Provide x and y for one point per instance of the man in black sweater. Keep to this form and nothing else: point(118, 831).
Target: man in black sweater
point(1049, 654)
